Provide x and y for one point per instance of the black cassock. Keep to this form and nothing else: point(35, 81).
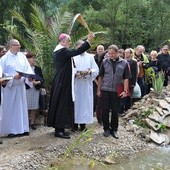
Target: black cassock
point(60, 114)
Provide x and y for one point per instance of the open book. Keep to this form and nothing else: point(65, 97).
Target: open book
point(6, 78)
point(27, 75)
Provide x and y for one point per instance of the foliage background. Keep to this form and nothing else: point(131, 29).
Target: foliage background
point(128, 23)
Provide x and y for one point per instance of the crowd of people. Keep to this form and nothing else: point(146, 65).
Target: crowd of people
point(84, 85)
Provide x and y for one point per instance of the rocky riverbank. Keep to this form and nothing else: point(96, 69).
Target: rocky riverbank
point(41, 149)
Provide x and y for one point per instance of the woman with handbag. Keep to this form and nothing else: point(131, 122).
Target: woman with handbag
point(33, 90)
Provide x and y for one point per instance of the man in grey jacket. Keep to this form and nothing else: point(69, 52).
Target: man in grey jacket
point(113, 75)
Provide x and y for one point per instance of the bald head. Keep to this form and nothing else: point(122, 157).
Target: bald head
point(64, 40)
point(63, 37)
point(100, 49)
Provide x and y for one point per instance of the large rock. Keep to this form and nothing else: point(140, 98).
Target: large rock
point(159, 138)
point(155, 126)
point(164, 105)
point(155, 117)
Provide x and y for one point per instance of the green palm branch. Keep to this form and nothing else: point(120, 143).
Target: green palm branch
point(40, 35)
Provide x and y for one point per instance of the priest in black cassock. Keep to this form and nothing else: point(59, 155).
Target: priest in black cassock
point(60, 114)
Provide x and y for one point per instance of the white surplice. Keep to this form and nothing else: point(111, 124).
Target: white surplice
point(1, 99)
point(83, 88)
point(14, 106)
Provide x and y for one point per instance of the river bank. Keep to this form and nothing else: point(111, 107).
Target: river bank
point(41, 149)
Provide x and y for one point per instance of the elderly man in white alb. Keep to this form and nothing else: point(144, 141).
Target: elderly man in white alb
point(86, 71)
point(14, 107)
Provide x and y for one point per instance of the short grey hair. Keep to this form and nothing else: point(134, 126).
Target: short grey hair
point(13, 41)
point(79, 43)
point(113, 47)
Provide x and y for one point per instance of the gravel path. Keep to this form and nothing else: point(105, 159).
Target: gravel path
point(39, 149)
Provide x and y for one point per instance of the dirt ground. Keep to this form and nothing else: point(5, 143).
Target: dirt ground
point(42, 143)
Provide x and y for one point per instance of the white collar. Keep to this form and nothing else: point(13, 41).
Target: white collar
point(58, 47)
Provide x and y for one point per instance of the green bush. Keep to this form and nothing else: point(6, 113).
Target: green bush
point(158, 81)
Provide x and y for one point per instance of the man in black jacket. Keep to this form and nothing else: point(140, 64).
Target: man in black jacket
point(60, 115)
point(100, 53)
point(164, 62)
point(126, 102)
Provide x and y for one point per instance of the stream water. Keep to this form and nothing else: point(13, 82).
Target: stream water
point(153, 160)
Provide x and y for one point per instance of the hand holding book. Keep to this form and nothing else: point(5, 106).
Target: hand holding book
point(26, 75)
point(121, 92)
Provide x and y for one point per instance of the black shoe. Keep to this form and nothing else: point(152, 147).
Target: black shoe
point(24, 134)
point(106, 133)
point(115, 134)
point(83, 127)
point(11, 135)
point(64, 135)
point(33, 127)
point(75, 128)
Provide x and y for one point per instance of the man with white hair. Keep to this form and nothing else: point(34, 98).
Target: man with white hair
point(142, 61)
point(100, 54)
point(60, 114)
point(14, 111)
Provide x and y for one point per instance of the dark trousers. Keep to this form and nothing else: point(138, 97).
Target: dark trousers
point(97, 103)
point(125, 104)
point(111, 101)
point(99, 109)
point(57, 130)
point(94, 96)
point(143, 85)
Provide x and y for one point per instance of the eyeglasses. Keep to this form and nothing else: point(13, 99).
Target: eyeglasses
point(16, 45)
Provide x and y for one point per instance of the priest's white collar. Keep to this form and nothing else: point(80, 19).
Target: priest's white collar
point(58, 47)
point(11, 53)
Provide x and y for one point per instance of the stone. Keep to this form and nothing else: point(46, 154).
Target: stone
point(164, 105)
point(155, 117)
point(157, 137)
point(143, 134)
point(167, 99)
point(159, 110)
point(131, 128)
point(166, 121)
point(152, 124)
point(109, 161)
point(155, 102)
point(131, 114)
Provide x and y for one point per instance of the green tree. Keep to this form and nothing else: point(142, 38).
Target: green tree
point(40, 35)
point(129, 22)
